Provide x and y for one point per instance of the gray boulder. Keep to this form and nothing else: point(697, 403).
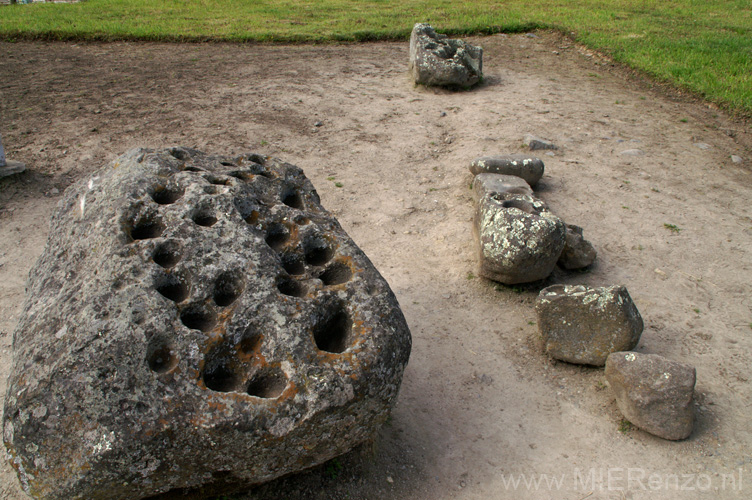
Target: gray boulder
point(196, 321)
point(525, 167)
point(536, 143)
point(653, 393)
point(519, 239)
point(578, 253)
point(584, 325)
point(484, 184)
point(440, 61)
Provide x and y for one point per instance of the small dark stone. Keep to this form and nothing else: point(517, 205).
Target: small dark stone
point(578, 253)
point(536, 143)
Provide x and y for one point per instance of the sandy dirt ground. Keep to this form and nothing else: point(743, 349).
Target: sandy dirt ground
point(483, 413)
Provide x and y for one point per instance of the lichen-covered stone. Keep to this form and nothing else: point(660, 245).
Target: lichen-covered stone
point(653, 393)
point(583, 325)
point(484, 184)
point(441, 61)
point(526, 167)
point(578, 253)
point(519, 239)
point(193, 321)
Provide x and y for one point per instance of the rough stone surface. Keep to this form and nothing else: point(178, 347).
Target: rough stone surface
point(519, 239)
point(484, 184)
point(525, 167)
point(535, 143)
point(441, 61)
point(584, 325)
point(193, 321)
point(737, 159)
point(578, 252)
point(653, 393)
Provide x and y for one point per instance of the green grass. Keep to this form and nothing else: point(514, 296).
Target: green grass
point(703, 46)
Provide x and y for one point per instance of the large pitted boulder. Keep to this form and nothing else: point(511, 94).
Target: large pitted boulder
point(519, 239)
point(444, 62)
point(196, 321)
point(526, 167)
point(584, 325)
point(484, 184)
point(653, 393)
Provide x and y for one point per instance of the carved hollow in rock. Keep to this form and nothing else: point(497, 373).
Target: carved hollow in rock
point(172, 286)
point(198, 317)
point(167, 195)
point(267, 384)
point(336, 274)
point(146, 226)
point(226, 348)
point(167, 254)
point(334, 332)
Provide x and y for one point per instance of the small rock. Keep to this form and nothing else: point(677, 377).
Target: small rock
point(519, 239)
point(737, 159)
point(583, 325)
point(578, 252)
point(526, 167)
point(702, 145)
point(318, 124)
point(441, 61)
point(536, 143)
point(653, 393)
point(54, 191)
point(632, 152)
point(486, 183)
point(442, 114)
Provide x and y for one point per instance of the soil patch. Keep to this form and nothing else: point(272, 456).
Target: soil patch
point(480, 404)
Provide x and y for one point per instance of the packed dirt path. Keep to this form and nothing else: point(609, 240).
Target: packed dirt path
point(483, 413)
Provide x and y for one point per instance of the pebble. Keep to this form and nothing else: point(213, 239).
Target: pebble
point(535, 143)
point(737, 159)
point(442, 114)
point(703, 145)
point(318, 124)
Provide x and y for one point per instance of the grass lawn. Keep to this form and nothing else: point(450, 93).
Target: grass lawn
point(704, 46)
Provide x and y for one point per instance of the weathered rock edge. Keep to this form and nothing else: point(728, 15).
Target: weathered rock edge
point(173, 286)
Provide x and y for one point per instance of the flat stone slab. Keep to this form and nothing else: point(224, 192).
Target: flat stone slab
point(523, 166)
point(499, 184)
point(653, 393)
point(196, 321)
point(11, 168)
point(583, 325)
point(440, 61)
